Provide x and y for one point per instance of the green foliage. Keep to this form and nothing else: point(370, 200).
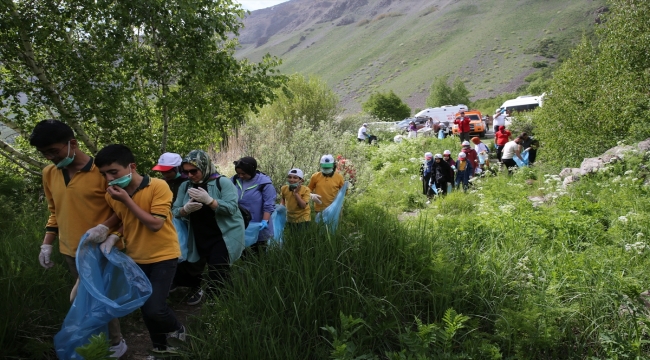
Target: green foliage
point(442, 94)
point(96, 349)
point(594, 98)
point(386, 107)
point(302, 98)
point(156, 75)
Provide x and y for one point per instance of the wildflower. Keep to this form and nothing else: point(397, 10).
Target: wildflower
point(573, 212)
point(413, 177)
point(628, 172)
point(616, 179)
point(481, 195)
point(541, 189)
point(403, 170)
point(622, 219)
point(639, 235)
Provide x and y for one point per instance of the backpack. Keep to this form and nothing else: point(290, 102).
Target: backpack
point(244, 212)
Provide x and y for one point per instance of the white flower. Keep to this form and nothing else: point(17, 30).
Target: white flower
point(403, 170)
point(413, 177)
point(622, 219)
point(639, 235)
point(541, 189)
point(413, 160)
point(573, 211)
point(616, 179)
point(628, 172)
point(481, 195)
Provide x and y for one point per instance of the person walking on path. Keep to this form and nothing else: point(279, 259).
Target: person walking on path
point(463, 126)
point(425, 175)
point(325, 184)
point(472, 156)
point(499, 119)
point(464, 171)
point(440, 174)
point(501, 137)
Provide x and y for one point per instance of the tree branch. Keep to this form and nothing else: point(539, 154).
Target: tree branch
point(18, 155)
point(13, 126)
point(23, 166)
point(49, 88)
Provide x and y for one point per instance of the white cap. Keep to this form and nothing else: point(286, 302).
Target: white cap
point(465, 143)
point(428, 155)
point(446, 152)
point(364, 124)
point(297, 172)
point(438, 156)
point(168, 161)
point(462, 155)
point(327, 160)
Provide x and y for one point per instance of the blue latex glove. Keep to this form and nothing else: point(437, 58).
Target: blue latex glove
point(265, 224)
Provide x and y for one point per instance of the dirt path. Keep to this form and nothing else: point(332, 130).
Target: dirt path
point(136, 335)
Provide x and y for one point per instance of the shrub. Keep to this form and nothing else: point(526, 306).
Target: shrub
point(386, 106)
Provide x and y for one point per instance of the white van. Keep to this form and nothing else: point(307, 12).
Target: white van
point(445, 113)
point(520, 104)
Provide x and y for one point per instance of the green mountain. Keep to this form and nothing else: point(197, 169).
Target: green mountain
point(363, 46)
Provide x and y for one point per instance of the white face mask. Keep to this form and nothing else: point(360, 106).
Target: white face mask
point(327, 171)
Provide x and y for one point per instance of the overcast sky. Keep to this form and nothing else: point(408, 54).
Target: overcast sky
point(259, 4)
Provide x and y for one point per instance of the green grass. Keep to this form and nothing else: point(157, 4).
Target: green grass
point(444, 41)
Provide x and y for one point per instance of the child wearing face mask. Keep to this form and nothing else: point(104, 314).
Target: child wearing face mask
point(325, 184)
point(295, 197)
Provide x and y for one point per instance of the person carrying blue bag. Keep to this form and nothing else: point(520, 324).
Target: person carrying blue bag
point(111, 286)
point(74, 190)
point(149, 238)
point(216, 226)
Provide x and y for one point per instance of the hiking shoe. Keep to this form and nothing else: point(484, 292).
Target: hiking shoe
point(196, 298)
point(118, 350)
point(173, 288)
point(178, 334)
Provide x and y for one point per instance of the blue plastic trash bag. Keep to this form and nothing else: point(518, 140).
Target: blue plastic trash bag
point(189, 252)
point(481, 159)
point(449, 187)
point(330, 216)
point(441, 134)
point(518, 161)
point(279, 220)
point(110, 286)
point(434, 188)
point(252, 233)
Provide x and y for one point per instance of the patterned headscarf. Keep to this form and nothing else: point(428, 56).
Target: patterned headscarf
point(201, 160)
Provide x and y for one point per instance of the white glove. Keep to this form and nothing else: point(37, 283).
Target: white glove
point(97, 234)
point(315, 198)
point(191, 207)
point(44, 257)
point(108, 244)
point(200, 195)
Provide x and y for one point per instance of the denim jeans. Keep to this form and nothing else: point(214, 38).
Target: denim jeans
point(158, 317)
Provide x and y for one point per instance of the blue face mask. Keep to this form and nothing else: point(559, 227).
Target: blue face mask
point(292, 186)
point(68, 160)
point(327, 171)
point(122, 182)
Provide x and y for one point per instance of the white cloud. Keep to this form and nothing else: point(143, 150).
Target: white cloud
point(259, 4)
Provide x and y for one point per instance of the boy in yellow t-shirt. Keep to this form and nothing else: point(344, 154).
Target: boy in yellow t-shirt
point(325, 184)
point(295, 197)
point(144, 206)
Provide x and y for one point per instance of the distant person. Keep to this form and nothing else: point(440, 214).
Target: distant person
point(464, 171)
point(425, 174)
point(446, 156)
point(295, 196)
point(483, 152)
point(501, 137)
point(441, 174)
point(413, 130)
point(74, 190)
point(499, 119)
point(362, 135)
point(463, 126)
point(510, 150)
point(169, 166)
point(472, 155)
point(528, 143)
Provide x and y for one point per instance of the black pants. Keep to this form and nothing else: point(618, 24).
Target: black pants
point(441, 185)
point(510, 164)
point(158, 317)
point(532, 155)
point(425, 184)
point(218, 260)
point(499, 151)
point(189, 274)
point(464, 136)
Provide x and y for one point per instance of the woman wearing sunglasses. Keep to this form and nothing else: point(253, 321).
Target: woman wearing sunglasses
point(216, 225)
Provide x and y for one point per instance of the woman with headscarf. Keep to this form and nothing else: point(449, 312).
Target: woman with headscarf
point(256, 193)
point(216, 225)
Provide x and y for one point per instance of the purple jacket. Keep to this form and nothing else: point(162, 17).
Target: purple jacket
point(256, 201)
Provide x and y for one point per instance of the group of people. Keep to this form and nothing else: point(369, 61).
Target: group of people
point(109, 201)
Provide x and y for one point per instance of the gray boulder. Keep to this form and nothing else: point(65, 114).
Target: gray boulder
point(591, 165)
point(644, 146)
point(569, 172)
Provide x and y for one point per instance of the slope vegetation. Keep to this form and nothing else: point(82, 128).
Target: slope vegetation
point(364, 46)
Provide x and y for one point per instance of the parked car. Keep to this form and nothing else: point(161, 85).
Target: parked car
point(403, 126)
point(477, 126)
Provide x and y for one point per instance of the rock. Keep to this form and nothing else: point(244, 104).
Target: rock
point(537, 200)
point(569, 172)
point(570, 180)
point(591, 165)
point(618, 151)
point(644, 146)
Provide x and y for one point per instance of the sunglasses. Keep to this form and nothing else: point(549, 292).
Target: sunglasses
point(187, 172)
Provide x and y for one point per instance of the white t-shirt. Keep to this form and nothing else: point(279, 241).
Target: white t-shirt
point(509, 150)
point(480, 148)
point(500, 120)
point(362, 133)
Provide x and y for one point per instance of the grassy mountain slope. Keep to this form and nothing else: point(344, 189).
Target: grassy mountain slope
point(404, 45)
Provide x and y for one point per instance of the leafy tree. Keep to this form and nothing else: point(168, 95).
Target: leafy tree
point(386, 106)
point(301, 97)
point(599, 96)
point(442, 94)
point(154, 75)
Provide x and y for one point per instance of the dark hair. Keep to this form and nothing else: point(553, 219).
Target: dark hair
point(115, 153)
point(247, 164)
point(523, 135)
point(48, 132)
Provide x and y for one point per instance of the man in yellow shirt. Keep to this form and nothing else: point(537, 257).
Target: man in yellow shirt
point(144, 206)
point(74, 190)
point(325, 184)
point(296, 197)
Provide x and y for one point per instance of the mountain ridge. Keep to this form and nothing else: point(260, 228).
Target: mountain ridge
point(402, 45)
